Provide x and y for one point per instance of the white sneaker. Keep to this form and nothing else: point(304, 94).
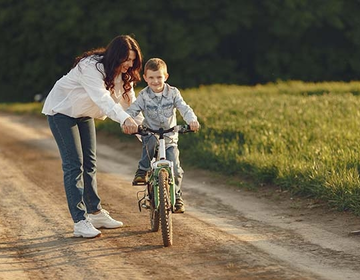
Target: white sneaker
point(103, 220)
point(84, 228)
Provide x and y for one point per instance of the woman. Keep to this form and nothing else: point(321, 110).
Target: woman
point(99, 85)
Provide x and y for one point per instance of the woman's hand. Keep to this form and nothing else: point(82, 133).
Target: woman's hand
point(130, 126)
point(194, 125)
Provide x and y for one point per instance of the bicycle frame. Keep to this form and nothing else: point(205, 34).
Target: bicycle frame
point(157, 166)
point(159, 194)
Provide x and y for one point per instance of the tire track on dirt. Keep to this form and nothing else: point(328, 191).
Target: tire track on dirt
point(219, 237)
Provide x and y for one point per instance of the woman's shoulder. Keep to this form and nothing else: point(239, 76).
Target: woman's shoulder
point(92, 61)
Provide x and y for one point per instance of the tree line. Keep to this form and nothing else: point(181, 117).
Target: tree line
point(202, 41)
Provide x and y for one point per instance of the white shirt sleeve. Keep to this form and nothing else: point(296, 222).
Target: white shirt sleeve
point(92, 81)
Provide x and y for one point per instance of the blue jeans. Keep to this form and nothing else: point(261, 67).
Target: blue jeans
point(149, 145)
point(76, 140)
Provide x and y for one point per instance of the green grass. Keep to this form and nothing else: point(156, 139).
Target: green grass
point(302, 137)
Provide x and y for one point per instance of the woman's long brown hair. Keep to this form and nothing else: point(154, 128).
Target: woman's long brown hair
point(112, 56)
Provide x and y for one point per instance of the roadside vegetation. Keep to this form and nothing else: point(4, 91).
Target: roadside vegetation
point(227, 42)
point(302, 137)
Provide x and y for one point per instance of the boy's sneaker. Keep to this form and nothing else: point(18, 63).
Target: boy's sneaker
point(179, 205)
point(141, 177)
point(85, 229)
point(103, 220)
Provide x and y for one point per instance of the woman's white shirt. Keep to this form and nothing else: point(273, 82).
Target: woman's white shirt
point(82, 93)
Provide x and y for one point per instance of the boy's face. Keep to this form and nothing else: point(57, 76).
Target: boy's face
point(156, 79)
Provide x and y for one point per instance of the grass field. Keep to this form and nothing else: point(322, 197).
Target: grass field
point(302, 137)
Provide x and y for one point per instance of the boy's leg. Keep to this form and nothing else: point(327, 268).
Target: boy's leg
point(172, 154)
point(149, 144)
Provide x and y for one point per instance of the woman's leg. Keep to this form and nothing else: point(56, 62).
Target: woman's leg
point(88, 144)
point(91, 198)
point(67, 136)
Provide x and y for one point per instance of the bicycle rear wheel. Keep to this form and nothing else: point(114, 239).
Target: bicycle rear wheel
point(165, 208)
point(154, 213)
point(154, 219)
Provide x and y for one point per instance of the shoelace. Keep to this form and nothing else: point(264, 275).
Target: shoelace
point(106, 213)
point(88, 224)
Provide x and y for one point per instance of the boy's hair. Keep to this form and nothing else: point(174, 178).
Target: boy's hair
point(155, 64)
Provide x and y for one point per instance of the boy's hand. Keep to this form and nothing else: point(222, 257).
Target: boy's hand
point(194, 125)
point(130, 126)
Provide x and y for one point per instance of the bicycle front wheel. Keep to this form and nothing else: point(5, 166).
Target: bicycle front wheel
point(165, 208)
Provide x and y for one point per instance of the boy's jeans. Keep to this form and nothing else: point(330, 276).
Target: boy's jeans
point(76, 140)
point(172, 153)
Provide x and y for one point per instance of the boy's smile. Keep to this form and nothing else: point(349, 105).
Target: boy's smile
point(156, 80)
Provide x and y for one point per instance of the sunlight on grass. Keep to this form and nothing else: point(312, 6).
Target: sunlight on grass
point(303, 137)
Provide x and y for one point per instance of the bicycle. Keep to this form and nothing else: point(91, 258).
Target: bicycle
point(159, 194)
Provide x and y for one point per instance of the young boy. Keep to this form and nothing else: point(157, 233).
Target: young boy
point(158, 103)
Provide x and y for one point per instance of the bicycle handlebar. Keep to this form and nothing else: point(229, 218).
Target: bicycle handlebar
point(142, 130)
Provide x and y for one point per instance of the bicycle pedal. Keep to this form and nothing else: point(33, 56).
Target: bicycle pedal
point(139, 183)
point(145, 206)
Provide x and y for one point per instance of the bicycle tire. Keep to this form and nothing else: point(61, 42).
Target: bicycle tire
point(165, 208)
point(154, 213)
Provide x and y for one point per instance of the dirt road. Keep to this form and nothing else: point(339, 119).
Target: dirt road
point(226, 233)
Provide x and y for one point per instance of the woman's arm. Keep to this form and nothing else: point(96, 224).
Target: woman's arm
point(92, 81)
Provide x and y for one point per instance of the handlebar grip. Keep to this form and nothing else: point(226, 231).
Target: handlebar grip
point(141, 131)
point(184, 129)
